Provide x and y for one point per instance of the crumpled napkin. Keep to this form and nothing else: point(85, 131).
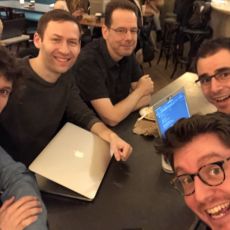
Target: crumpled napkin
point(146, 128)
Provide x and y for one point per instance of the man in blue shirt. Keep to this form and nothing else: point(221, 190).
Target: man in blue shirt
point(22, 205)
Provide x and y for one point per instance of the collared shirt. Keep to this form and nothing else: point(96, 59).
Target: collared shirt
point(99, 76)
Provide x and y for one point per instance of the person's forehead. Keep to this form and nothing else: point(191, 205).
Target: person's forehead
point(123, 17)
point(212, 62)
point(56, 26)
point(201, 150)
point(4, 82)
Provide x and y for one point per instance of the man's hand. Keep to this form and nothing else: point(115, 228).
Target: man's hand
point(119, 148)
point(145, 85)
point(17, 215)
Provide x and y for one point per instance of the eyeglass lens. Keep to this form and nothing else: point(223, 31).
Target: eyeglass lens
point(221, 75)
point(122, 30)
point(211, 174)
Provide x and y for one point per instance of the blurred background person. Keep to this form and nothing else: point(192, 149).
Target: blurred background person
point(61, 4)
point(152, 7)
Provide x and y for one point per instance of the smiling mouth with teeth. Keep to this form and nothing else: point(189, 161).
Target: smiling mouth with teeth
point(222, 99)
point(219, 210)
point(62, 59)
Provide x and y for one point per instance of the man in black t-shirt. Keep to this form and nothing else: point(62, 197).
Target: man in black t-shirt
point(47, 95)
point(109, 78)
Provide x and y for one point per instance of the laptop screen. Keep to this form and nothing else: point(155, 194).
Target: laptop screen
point(171, 109)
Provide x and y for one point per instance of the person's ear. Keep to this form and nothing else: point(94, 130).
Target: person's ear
point(105, 31)
point(37, 40)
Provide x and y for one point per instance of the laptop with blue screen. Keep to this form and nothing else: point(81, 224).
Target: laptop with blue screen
point(167, 112)
point(170, 109)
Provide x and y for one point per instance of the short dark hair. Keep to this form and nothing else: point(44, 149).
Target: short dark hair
point(186, 129)
point(210, 47)
point(8, 65)
point(117, 4)
point(55, 15)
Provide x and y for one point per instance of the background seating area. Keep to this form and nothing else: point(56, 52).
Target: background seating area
point(19, 25)
point(167, 50)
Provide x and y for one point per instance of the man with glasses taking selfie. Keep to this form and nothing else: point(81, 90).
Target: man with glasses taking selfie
point(213, 69)
point(107, 73)
point(198, 149)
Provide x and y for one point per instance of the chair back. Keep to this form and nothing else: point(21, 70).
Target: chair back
point(147, 45)
point(13, 28)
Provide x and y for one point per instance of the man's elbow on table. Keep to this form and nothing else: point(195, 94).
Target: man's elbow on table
point(111, 121)
point(109, 114)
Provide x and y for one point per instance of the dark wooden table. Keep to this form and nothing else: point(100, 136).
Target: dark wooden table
point(136, 194)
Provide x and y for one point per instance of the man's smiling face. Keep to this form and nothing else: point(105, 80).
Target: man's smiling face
point(120, 45)
point(210, 203)
point(59, 47)
point(217, 92)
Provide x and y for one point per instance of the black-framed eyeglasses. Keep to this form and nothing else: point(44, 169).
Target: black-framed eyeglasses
point(212, 174)
point(221, 75)
point(123, 31)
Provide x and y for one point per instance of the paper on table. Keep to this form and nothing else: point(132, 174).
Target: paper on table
point(147, 113)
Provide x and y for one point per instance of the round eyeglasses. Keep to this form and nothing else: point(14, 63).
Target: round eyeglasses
point(212, 174)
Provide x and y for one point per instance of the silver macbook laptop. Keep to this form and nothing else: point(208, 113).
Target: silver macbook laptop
point(73, 164)
point(170, 109)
